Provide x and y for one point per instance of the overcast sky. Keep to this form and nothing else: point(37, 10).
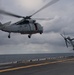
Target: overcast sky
point(50, 41)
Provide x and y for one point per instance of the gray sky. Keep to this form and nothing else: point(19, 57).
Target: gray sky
point(50, 41)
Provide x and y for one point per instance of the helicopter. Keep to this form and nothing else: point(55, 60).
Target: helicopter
point(25, 26)
point(68, 40)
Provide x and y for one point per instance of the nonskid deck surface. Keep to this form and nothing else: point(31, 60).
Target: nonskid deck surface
point(52, 66)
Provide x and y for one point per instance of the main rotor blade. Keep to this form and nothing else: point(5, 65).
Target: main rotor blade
point(10, 14)
point(48, 4)
point(43, 18)
point(66, 42)
point(63, 36)
point(66, 39)
point(72, 39)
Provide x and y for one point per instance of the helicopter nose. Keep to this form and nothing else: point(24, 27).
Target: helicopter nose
point(42, 29)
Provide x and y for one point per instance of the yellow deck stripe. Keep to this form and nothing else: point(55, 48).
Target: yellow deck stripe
point(35, 65)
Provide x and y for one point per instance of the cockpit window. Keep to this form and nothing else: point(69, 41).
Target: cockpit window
point(22, 22)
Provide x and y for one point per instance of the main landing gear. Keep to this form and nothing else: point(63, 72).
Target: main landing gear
point(9, 36)
point(40, 32)
point(29, 36)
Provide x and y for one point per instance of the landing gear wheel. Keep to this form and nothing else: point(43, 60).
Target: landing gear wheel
point(41, 33)
point(9, 36)
point(29, 36)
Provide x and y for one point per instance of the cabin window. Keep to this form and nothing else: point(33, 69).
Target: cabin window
point(36, 26)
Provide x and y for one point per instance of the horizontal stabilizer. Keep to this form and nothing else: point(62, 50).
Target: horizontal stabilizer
point(4, 25)
point(7, 24)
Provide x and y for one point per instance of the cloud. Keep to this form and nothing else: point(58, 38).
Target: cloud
point(30, 5)
point(50, 41)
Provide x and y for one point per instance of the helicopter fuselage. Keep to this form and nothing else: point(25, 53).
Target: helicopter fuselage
point(27, 25)
point(24, 27)
point(30, 28)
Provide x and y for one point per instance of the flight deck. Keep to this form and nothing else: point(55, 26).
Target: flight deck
point(46, 66)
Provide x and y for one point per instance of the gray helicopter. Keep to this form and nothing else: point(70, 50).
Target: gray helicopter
point(68, 40)
point(27, 25)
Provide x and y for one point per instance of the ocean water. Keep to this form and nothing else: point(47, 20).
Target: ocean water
point(20, 57)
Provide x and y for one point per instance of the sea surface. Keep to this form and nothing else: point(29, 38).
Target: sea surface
point(20, 57)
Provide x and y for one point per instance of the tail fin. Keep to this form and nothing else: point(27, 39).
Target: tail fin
point(7, 24)
point(4, 25)
point(1, 25)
